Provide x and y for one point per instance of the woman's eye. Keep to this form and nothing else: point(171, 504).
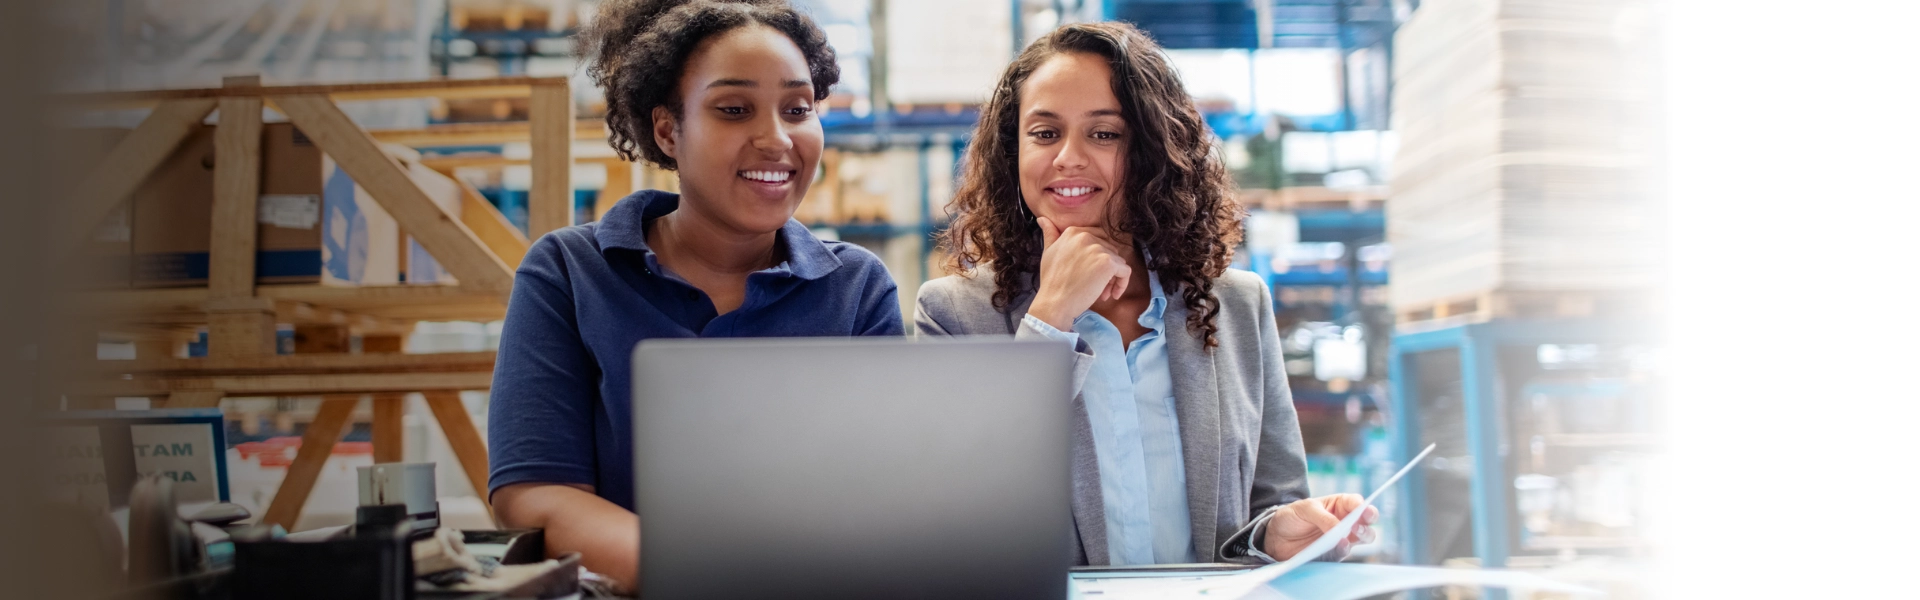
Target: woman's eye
point(1106, 135)
point(800, 111)
point(1043, 135)
point(733, 110)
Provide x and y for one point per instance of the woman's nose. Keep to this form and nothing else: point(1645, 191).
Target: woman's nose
point(1073, 155)
point(771, 136)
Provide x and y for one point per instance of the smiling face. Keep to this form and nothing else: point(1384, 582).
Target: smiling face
point(1072, 141)
point(747, 138)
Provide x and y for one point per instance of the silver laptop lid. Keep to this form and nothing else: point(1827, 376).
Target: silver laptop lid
point(852, 468)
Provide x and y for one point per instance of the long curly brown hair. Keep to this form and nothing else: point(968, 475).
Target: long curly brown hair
point(1177, 194)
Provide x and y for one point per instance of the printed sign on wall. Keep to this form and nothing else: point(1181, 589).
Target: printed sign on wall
point(95, 457)
point(182, 452)
point(76, 468)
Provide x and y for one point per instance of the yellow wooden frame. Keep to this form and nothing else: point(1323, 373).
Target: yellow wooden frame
point(479, 248)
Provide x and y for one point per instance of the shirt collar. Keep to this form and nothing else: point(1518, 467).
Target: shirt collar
point(624, 226)
point(1154, 316)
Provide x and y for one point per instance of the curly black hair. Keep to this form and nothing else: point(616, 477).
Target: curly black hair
point(637, 50)
point(1179, 200)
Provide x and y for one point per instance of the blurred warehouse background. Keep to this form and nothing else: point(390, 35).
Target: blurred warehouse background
point(1461, 206)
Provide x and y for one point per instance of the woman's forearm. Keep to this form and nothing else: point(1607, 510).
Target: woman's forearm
point(606, 536)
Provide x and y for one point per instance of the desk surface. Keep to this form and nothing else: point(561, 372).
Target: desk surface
point(1317, 580)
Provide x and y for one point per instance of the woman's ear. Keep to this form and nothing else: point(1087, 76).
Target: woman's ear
point(666, 132)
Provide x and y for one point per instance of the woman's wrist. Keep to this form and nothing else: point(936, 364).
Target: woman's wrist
point(1045, 311)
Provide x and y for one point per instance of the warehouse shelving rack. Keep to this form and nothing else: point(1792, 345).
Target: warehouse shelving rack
point(478, 247)
point(1486, 405)
point(1346, 25)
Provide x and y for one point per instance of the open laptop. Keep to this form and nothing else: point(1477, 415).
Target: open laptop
point(852, 468)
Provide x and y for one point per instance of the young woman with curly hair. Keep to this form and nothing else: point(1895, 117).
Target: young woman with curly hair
point(724, 93)
point(1094, 209)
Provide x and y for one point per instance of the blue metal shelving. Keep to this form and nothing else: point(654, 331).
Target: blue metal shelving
point(920, 123)
point(1348, 227)
point(1236, 23)
point(1345, 25)
point(1353, 228)
point(1483, 399)
point(1336, 276)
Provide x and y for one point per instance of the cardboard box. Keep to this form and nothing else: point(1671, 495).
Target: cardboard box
point(822, 202)
point(866, 190)
point(420, 267)
point(362, 242)
point(315, 224)
point(173, 212)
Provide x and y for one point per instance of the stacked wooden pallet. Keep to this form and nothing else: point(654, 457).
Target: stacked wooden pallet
point(1314, 198)
point(1527, 159)
point(513, 15)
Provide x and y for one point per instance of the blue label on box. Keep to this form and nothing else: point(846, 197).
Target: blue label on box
point(192, 266)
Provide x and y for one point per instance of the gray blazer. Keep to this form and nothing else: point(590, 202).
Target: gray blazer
point(1239, 436)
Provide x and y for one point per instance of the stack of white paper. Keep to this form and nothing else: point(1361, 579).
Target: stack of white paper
point(1528, 133)
point(1300, 577)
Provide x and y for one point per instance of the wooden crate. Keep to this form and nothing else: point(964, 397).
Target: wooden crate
point(1314, 198)
point(1486, 306)
point(510, 15)
point(478, 247)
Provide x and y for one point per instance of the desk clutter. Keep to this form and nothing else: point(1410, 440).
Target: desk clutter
point(394, 550)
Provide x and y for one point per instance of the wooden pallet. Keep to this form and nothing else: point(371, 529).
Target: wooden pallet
point(509, 15)
point(622, 177)
point(479, 248)
point(1314, 198)
point(1486, 306)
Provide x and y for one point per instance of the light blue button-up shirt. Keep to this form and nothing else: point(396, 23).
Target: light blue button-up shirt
point(1136, 436)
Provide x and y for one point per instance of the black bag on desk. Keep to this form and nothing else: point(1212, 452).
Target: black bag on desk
point(375, 563)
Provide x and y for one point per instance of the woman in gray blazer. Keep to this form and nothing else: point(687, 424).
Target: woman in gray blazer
point(1094, 210)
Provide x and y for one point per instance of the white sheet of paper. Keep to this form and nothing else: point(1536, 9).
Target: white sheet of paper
point(1300, 577)
point(1351, 581)
point(1339, 532)
point(1315, 580)
point(1159, 586)
point(1253, 584)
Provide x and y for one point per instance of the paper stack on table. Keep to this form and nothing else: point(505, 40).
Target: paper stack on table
point(1315, 581)
point(1300, 577)
point(1530, 141)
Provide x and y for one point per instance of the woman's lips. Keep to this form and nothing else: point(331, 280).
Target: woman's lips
point(1072, 196)
point(767, 177)
point(769, 185)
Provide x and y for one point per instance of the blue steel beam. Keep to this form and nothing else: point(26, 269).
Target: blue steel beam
point(1480, 388)
point(1484, 399)
point(1413, 489)
point(1234, 24)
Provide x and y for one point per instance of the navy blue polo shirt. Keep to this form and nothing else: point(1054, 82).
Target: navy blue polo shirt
point(585, 295)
